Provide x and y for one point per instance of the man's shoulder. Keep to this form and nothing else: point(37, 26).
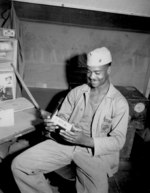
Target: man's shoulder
point(117, 95)
point(81, 88)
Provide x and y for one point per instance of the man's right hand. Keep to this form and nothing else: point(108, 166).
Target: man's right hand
point(44, 113)
point(49, 125)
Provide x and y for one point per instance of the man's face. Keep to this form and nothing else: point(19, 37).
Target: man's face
point(97, 76)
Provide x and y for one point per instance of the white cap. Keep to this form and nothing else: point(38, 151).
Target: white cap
point(99, 57)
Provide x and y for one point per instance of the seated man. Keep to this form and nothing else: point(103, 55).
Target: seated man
point(99, 116)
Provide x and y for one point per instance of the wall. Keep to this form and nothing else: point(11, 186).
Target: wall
point(48, 46)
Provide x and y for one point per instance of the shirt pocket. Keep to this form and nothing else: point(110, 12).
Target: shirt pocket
point(106, 125)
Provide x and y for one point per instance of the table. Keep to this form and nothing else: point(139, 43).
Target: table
point(25, 122)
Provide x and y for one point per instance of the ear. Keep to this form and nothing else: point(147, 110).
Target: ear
point(109, 70)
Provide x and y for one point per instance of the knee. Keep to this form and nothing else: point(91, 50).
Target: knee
point(80, 159)
point(15, 163)
point(77, 157)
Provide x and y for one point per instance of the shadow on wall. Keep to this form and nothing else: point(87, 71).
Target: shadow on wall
point(75, 68)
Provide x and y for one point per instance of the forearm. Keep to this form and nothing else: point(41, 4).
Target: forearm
point(87, 142)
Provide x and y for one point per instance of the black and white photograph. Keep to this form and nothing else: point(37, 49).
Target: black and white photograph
point(7, 87)
point(74, 96)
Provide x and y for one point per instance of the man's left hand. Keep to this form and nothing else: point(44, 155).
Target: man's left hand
point(77, 137)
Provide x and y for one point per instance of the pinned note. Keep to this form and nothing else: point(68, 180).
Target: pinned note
point(6, 118)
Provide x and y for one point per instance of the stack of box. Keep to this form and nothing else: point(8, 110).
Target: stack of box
point(138, 106)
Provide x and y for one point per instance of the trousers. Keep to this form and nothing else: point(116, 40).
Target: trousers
point(29, 168)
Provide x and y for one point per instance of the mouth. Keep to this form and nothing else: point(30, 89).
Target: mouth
point(93, 82)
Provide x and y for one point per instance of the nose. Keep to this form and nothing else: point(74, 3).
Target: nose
point(92, 75)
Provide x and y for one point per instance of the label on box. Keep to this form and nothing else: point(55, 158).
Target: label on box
point(139, 107)
point(62, 123)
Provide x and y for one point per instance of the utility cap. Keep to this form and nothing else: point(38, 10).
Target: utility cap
point(99, 57)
